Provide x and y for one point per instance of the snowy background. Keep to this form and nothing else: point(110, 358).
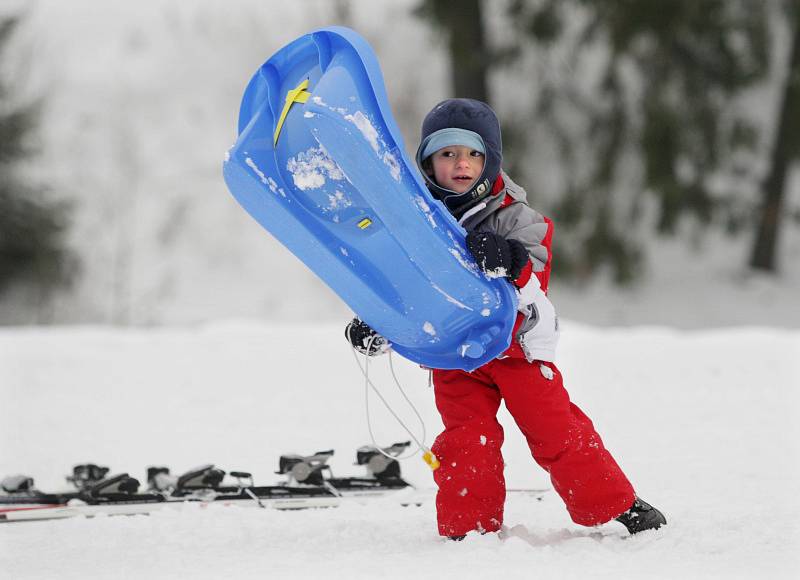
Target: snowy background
point(691, 376)
point(140, 103)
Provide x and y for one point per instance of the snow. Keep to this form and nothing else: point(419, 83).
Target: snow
point(338, 200)
point(466, 263)
point(275, 189)
point(310, 168)
point(451, 299)
point(252, 165)
point(705, 423)
point(426, 209)
point(364, 125)
point(498, 272)
point(393, 164)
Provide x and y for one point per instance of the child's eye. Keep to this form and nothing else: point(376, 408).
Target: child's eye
point(476, 153)
point(448, 154)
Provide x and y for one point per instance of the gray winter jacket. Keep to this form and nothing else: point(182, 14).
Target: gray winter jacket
point(508, 214)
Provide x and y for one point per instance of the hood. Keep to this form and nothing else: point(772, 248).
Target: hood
point(475, 116)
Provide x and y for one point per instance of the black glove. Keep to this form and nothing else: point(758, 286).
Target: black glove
point(360, 334)
point(496, 255)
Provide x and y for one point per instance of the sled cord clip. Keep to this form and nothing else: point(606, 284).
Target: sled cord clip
point(431, 460)
point(297, 95)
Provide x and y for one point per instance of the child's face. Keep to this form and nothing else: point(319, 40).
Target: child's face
point(457, 167)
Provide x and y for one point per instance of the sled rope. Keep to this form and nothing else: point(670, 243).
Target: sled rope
point(299, 94)
point(369, 383)
point(427, 455)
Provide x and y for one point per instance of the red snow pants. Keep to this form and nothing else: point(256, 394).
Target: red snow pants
point(561, 438)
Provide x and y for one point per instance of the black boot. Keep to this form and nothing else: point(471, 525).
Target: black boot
point(457, 538)
point(642, 516)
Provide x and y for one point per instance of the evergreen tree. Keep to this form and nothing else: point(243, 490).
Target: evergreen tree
point(658, 122)
point(461, 23)
point(640, 101)
point(31, 228)
point(785, 151)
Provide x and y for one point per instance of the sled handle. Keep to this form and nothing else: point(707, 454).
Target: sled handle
point(477, 340)
point(299, 94)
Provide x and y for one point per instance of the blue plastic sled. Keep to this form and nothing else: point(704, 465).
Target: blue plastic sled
point(320, 163)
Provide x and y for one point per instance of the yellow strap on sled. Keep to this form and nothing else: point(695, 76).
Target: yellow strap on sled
point(296, 95)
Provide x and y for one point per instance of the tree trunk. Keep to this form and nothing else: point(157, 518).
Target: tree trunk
point(467, 44)
point(784, 152)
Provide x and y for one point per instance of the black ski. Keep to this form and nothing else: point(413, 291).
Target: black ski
point(310, 484)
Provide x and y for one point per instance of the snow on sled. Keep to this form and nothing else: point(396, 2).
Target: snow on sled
point(319, 162)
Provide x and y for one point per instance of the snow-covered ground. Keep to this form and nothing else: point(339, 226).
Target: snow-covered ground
point(706, 424)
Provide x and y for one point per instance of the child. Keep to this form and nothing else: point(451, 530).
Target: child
point(460, 156)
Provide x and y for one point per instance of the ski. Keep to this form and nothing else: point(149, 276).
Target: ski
point(76, 508)
point(310, 483)
point(140, 507)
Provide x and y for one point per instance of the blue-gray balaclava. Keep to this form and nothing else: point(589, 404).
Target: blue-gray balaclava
point(474, 117)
